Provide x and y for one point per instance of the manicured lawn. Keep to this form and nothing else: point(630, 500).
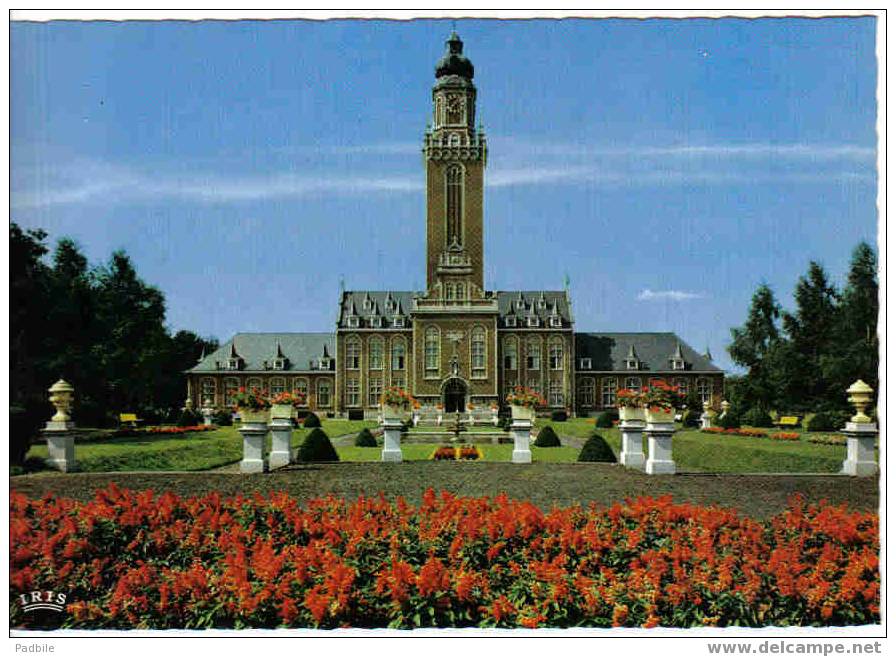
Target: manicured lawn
point(423, 452)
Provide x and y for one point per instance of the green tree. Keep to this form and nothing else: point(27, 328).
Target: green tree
point(752, 343)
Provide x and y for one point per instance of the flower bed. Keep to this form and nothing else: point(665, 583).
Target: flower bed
point(462, 453)
point(747, 433)
point(828, 440)
point(172, 430)
point(784, 435)
point(135, 559)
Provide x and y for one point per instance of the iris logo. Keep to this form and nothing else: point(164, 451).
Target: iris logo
point(42, 600)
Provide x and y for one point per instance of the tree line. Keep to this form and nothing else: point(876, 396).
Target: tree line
point(803, 361)
point(100, 327)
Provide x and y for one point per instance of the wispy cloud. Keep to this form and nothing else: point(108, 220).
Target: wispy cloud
point(668, 295)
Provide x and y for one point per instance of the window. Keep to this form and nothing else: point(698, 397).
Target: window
point(461, 291)
point(533, 355)
point(398, 322)
point(354, 321)
point(509, 385)
point(431, 350)
point(231, 387)
point(454, 182)
point(535, 385)
point(398, 381)
point(677, 364)
point(704, 389)
point(300, 387)
point(477, 351)
point(352, 354)
point(278, 385)
point(323, 392)
point(449, 291)
point(352, 393)
point(586, 392)
point(584, 363)
point(510, 353)
point(375, 360)
point(209, 390)
point(682, 384)
point(632, 364)
point(633, 383)
point(374, 391)
point(376, 322)
point(608, 392)
point(254, 384)
point(533, 321)
point(398, 351)
point(279, 364)
point(233, 364)
point(510, 321)
point(555, 395)
point(454, 139)
point(555, 322)
point(555, 354)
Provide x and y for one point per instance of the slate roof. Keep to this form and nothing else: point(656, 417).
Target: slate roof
point(608, 352)
point(540, 303)
point(379, 300)
point(302, 350)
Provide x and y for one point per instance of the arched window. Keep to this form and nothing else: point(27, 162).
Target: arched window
point(431, 351)
point(375, 359)
point(454, 193)
point(454, 139)
point(231, 387)
point(633, 383)
point(323, 392)
point(608, 392)
point(555, 354)
point(477, 351)
point(510, 353)
point(278, 385)
point(704, 389)
point(209, 390)
point(300, 387)
point(398, 353)
point(586, 392)
point(254, 383)
point(352, 353)
point(682, 384)
point(533, 354)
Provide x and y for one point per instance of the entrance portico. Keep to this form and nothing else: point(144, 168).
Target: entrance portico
point(454, 395)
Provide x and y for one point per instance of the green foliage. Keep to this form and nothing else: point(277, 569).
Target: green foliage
point(24, 427)
point(605, 420)
point(317, 447)
point(365, 438)
point(730, 420)
point(597, 450)
point(311, 421)
point(547, 437)
point(188, 418)
point(827, 421)
point(222, 418)
point(558, 415)
point(757, 417)
point(690, 418)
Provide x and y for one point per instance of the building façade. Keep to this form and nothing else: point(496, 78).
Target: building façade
point(456, 343)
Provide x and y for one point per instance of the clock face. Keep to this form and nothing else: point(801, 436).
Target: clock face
point(455, 105)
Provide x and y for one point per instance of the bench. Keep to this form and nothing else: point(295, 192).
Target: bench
point(788, 421)
point(129, 419)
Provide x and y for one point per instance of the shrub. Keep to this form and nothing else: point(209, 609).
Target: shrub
point(24, 426)
point(505, 422)
point(729, 421)
point(189, 418)
point(547, 437)
point(596, 450)
point(222, 418)
point(311, 421)
point(365, 438)
point(355, 414)
point(757, 417)
point(317, 447)
point(605, 420)
point(690, 418)
point(265, 561)
point(558, 416)
point(827, 421)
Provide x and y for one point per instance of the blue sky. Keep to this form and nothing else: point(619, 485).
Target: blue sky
point(667, 166)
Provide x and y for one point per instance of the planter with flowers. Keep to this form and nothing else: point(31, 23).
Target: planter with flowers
point(661, 400)
point(396, 402)
point(630, 404)
point(252, 405)
point(523, 402)
point(284, 405)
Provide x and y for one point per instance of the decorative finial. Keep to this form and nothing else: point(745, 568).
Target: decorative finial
point(860, 396)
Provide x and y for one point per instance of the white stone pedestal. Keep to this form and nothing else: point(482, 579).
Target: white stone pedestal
point(860, 449)
point(706, 421)
point(60, 445)
point(281, 451)
point(254, 434)
point(659, 448)
point(392, 441)
point(632, 455)
point(207, 414)
point(520, 430)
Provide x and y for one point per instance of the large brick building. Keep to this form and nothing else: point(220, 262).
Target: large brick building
point(456, 343)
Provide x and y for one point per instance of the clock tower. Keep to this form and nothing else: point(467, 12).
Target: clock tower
point(454, 153)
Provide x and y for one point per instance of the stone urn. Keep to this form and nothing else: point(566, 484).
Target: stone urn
point(521, 412)
point(860, 396)
point(250, 416)
point(392, 412)
point(631, 413)
point(658, 415)
point(62, 395)
point(282, 412)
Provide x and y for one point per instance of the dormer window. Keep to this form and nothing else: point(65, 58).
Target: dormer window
point(368, 304)
point(556, 322)
point(510, 321)
point(520, 304)
point(398, 322)
point(233, 364)
point(353, 322)
point(324, 363)
point(541, 303)
point(677, 364)
point(632, 364)
point(533, 321)
point(279, 363)
point(376, 322)
point(584, 363)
